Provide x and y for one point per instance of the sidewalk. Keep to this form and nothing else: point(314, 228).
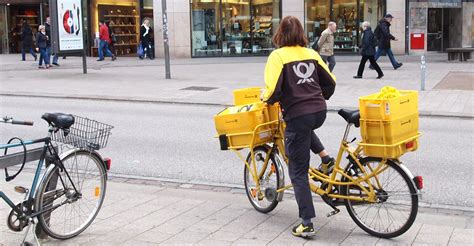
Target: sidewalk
point(150, 212)
point(131, 79)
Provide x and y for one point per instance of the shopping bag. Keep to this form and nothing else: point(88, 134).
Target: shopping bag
point(140, 51)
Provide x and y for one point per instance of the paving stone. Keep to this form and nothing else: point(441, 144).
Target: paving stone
point(440, 239)
point(188, 237)
point(253, 242)
point(225, 235)
point(211, 242)
point(153, 236)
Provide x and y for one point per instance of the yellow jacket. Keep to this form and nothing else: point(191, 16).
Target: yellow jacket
point(299, 79)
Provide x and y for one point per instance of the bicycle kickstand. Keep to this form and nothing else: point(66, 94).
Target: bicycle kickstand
point(31, 225)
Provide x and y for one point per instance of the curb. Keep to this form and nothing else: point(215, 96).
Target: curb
point(234, 188)
point(158, 101)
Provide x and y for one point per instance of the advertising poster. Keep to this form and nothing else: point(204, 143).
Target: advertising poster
point(70, 25)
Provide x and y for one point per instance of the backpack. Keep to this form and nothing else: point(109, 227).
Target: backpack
point(315, 45)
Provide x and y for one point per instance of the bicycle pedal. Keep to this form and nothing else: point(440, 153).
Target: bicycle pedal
point(332, 213)
point(21, 189)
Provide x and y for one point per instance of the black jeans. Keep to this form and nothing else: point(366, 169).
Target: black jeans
point(373, 63)
point(300, 139)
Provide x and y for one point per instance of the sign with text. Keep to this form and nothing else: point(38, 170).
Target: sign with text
point(70, 26)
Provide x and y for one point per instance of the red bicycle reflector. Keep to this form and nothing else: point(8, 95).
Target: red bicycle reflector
point(410, 145)
point(108, 163)
point(418, 182)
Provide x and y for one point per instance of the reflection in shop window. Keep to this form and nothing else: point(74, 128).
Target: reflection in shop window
point(233, 27)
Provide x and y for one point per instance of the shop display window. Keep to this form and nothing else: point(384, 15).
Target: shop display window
point(18, 14)
point(124, 20)
point(233, 28)
point(347, 14)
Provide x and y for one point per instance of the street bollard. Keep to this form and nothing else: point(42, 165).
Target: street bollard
point(423, 72)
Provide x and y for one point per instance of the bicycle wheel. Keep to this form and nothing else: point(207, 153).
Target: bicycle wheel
point(264, 200)
point(72, 211)
point(397, 201)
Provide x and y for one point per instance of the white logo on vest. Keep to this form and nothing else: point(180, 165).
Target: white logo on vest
point(308, 71)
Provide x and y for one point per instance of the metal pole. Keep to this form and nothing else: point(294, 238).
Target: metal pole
point(84, 62)
point(423, 72)
point(165, 39)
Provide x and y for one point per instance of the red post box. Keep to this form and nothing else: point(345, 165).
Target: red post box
point(417, 41)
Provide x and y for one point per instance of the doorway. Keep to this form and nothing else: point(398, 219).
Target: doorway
point(438, 29)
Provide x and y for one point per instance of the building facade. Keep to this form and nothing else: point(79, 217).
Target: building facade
point(229, 28)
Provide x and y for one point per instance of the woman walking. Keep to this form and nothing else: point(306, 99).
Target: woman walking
point(27, 41)
point(146, 39)
point(368, 51)
point(42, 43)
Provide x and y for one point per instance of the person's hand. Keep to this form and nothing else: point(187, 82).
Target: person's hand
point(37, 49)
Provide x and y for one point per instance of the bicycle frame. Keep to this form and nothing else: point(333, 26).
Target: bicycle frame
point(331, 180)
point(47, 148)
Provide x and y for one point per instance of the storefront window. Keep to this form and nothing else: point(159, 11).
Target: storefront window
point(205, 27)
point(124, 18)
point(348, 14)
point(233, 27)
point(265, 19)
point(317, 18)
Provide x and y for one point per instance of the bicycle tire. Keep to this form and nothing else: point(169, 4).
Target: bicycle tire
point(98, 179)
point(386, 194)
point(262, 205)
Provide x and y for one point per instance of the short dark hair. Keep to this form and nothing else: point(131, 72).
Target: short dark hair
point(290, 33)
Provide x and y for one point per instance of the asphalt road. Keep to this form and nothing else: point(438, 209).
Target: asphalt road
point(177, 142)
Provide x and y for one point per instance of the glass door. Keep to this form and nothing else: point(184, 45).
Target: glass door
point(435, 30)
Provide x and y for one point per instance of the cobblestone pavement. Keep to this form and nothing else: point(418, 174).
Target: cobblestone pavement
point(151, 212)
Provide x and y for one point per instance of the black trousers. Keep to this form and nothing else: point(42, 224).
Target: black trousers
point(300, 139)
point(372, 62)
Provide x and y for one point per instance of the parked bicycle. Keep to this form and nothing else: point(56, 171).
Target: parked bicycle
point(378, 190)
point(66, 199)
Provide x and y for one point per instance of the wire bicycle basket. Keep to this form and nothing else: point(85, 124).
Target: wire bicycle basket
point(85, 134)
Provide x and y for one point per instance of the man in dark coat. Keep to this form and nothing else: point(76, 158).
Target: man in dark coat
point(367, 50)
point(382, 34)
point(47, 24)
point(27, 41)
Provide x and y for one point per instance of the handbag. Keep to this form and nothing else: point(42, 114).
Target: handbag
point(140, 51)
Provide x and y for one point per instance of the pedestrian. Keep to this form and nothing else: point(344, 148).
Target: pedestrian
point(104, 42)
point(146, 39)
point(367, 51)
point(47, 25)
point(27, 41)
point(42, 47)
point(326, 45)
point(113, 38)
point(298, 78)
point(382, 34)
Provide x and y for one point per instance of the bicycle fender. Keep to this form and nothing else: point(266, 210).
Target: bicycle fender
point(94, 153)
point(279, 161)
point(411, 176)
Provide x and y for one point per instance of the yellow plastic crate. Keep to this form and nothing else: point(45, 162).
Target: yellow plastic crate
point(247, 95)
point(373, 108)
point(236, 125)
point(388, 138)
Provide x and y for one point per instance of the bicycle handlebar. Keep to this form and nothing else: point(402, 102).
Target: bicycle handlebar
point(10, 120)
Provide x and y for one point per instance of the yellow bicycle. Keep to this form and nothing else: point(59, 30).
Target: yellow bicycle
point(380, 194)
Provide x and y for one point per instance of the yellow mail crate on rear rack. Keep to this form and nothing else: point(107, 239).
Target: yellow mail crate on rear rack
point(372, 107)
point(246, 125)
point(390, 139)
point(247, 95)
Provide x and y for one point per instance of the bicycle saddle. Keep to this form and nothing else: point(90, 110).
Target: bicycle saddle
point(60, 120)
point(351, 116)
